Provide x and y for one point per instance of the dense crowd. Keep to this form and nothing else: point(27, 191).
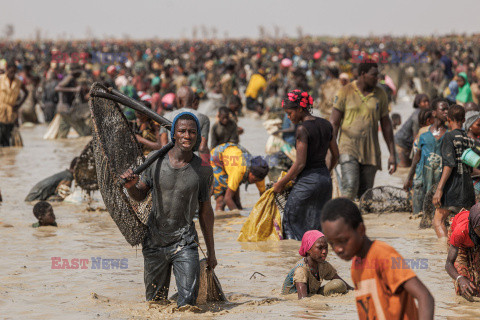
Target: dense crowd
point(351, 81)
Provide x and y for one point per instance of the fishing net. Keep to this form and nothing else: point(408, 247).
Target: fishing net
point(385, 199)
point(428, 209)
point(282, 197)
point(209, 289)
point(85, 172)
point(116, 150)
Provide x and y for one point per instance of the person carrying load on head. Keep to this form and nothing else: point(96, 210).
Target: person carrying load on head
point(233, 165)
point(180, 184)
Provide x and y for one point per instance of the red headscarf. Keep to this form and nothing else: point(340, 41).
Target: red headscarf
point(308, 240)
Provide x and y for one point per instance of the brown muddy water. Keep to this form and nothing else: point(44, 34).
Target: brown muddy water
point(251, 273)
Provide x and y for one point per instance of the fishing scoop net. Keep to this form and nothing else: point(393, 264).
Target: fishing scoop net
point(385, 199)
point(85, 172)
point(281, 198)
point(428, 208)
point(209, 289)
point(116, 150)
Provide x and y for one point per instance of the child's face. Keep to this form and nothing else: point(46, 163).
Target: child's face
point(49, 218)
point(319, 250)
point(475, 128)
point(424, 103)
point(345, 241)
point(223, 119)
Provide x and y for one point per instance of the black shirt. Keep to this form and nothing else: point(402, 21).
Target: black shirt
point(320, 133)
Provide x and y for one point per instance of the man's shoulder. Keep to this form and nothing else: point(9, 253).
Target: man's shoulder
point(380, 93)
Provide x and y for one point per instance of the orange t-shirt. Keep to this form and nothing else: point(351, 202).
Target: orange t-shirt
point(378, 279)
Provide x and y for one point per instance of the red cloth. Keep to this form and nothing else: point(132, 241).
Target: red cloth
point(308, 240)
point(460, 237)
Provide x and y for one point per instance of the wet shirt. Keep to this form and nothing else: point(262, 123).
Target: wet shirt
point(359, 127)
point(301, 274)
point(37, 225)
point(176, 194)
point(46, 188)
point(8, 97)
point(378, 280)
point(460, 237)
point(458, 190)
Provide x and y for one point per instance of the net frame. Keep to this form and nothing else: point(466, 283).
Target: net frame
point(116, 150)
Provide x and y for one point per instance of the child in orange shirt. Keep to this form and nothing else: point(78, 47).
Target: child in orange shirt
point(385, 287)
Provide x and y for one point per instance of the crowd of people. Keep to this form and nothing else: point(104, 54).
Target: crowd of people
point(351, 82)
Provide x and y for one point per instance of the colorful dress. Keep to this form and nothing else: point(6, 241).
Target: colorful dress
point(468, 258)
point(429, 169)
point(230, 163)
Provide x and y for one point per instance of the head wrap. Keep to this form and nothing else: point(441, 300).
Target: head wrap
point(474, 222)
point(174, 123)
point(297, 98)
point(470, 118)
point(259, 167)
point(308, 240)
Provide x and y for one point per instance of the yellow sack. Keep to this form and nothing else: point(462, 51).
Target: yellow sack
point(264, 222)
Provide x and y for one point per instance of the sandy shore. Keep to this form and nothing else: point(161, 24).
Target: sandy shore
point(31, 289)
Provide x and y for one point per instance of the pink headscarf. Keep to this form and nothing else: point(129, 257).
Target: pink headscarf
point(308, 240)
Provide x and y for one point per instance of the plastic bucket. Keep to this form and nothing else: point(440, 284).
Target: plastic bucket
point(470, 158)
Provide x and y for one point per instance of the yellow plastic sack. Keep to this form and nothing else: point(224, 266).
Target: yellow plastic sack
point(264, 222)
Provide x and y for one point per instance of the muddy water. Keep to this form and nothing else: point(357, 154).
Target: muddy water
point(251, 273)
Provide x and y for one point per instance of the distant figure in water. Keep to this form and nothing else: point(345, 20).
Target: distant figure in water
point(53, 188)
point(308, 274)
point(43, 211)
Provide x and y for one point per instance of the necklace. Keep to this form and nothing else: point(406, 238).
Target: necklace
point(436, 132)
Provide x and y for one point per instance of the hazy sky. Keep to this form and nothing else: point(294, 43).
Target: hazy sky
point(237, 18)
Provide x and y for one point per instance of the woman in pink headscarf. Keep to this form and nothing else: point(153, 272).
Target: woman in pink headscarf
point(308, 274)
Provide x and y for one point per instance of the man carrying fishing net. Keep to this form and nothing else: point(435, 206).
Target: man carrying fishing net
point(180, 184)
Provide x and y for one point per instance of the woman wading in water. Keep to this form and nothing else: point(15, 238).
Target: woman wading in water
point(313, 185)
